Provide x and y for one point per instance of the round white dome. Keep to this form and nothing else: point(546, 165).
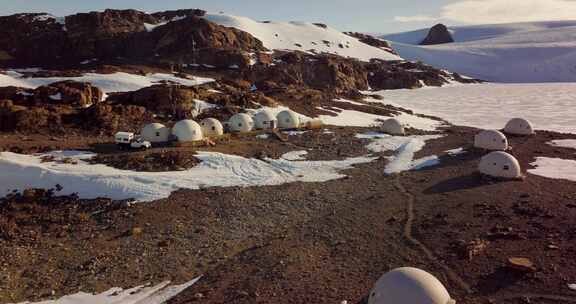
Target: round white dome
point(393, 126)
point(288, 120)
point(519, 126)
point(265, 120)
point(187, 130)
point(211, 127)
point(492, 140)
point(241, 123)
point(155, 133)
point(500, 164)
point(409, 286)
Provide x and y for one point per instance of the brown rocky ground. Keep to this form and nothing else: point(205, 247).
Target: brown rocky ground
point(309, 242)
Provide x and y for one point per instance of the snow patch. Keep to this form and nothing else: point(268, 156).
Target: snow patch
point(425, 162)
point(116, 82)
point(295, 155)
point(455, 152)
point(555, 168)
point(57, 96)
point(404, 147)
point(138, 295)
point(215, 169)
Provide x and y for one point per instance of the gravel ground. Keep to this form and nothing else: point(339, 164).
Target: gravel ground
point(312, 242)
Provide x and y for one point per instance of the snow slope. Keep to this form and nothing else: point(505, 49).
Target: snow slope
point(303, 36)
point(92, 181)
point(550, 106)
point(116, 82)
point(519, 52)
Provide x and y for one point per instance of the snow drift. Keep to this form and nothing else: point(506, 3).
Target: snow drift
point(518, 52)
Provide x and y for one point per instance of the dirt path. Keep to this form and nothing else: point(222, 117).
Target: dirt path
point(408, 235)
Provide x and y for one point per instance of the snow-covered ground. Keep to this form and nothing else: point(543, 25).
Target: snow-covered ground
point(519, 52)
point(215, 169)
point(138, 295)
point(116, 82)
point(550, 106)
point(303, 36)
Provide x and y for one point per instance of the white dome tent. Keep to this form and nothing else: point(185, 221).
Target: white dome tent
point(264, 120)
point(393, 126)
point(492, 140)
point(409, 285)
point(211, 127)
point(519, 126)
point(187, 130)
point(155, 133)
point(288, 120)
point(500, 164)
point(241, 123)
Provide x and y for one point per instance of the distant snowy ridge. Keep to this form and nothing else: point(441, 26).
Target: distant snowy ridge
point(518, 52)
point(303, 36)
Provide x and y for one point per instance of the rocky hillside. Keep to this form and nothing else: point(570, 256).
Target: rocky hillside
point(41, 39)
point(97, 68)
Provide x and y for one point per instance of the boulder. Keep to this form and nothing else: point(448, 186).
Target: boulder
point(521, 264)
point(69, 92)
point(438, 34)
point(195, 39)
point(165, 99)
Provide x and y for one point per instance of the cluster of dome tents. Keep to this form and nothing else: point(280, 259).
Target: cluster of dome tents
point(190, 131)
point(498, 163)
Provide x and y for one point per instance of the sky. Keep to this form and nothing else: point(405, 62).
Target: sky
point(372, 16)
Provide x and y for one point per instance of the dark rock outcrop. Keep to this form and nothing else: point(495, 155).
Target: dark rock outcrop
point(169, 100)
point(122, 35)
point(323, 72)
point(197, 40)
point(68, 92)
point(438, 34)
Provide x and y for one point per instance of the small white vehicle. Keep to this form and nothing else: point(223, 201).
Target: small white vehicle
point(139, 143)
point(131, 141)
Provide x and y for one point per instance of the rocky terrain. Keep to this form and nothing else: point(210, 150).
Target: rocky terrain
point(135, 42)
point(488, 241)
point(308, 242)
